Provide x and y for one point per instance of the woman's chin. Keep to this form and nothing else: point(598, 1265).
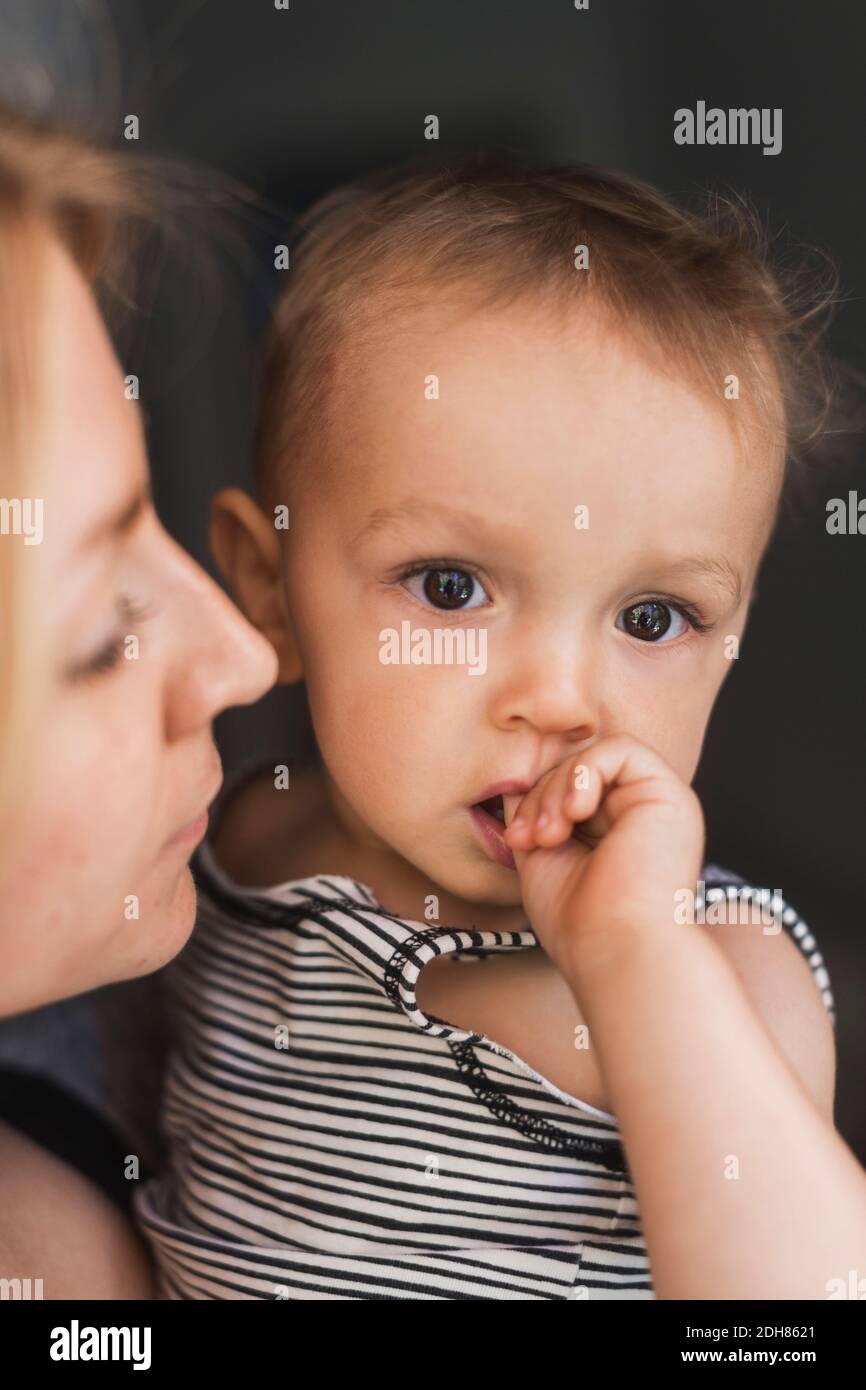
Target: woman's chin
point(178, 920)
point(174, 913)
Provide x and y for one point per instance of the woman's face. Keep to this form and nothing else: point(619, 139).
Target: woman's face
point(143, 651)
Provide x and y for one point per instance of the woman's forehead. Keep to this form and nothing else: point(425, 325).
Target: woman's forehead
point(93, 462)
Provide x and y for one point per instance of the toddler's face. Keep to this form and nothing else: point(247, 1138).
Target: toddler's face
point(459, 512)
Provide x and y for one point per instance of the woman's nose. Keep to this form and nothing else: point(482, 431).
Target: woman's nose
point(218, 660)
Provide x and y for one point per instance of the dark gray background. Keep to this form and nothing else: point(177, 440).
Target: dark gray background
point(293, 102)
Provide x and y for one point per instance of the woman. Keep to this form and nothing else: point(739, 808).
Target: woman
point(117, 653)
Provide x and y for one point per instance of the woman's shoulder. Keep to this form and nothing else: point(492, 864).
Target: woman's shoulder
point(58, 1226)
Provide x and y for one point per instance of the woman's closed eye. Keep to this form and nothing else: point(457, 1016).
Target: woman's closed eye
point(448, 587)
point(130, 613)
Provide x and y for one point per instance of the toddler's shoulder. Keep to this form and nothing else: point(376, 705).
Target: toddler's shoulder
point(734, 901)
point(778, 961)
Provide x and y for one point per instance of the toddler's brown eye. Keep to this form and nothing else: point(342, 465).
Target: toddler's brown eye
point(448, 588)
point(648, 620)
point(445, 587)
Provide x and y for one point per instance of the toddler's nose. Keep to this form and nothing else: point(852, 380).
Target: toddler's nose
point(557, 700)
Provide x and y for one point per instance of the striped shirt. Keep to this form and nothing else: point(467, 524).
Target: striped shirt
point(330, 1141)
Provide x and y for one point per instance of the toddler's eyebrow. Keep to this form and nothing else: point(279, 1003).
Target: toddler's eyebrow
point(713, 567)
point(717, 569)
point(474, 524)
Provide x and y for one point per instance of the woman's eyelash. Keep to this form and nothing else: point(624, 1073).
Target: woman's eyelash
point(130, 611)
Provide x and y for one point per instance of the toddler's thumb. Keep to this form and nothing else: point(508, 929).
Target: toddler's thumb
point(509, 806)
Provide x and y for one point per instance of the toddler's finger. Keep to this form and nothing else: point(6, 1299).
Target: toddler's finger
point(553, 824)
point(520, 814)
point(584, 790)
point(526, 826)
point(510, 804)
point(519, 839)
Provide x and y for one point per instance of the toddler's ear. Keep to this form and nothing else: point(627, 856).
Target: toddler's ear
point(246, 547)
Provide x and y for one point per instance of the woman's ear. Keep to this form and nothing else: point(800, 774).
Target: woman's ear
point(246, 547)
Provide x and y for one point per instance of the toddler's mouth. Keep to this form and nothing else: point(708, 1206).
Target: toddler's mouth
point(488, 821)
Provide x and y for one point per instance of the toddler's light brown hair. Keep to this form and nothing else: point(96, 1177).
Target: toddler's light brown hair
point(698, 290)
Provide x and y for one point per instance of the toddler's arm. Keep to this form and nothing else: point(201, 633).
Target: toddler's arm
point(745, 1188)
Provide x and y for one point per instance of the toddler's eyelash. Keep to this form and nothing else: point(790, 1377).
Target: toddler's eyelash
point(131, 612)
point(420, 566)
point(424, 566)
point(695, 619)
point(691, 614)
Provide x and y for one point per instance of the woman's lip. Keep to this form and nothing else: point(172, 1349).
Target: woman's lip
point(488, 830)
point(190, 834)
point(195, 830)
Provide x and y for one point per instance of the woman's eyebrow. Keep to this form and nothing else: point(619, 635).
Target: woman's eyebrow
point(119, 522)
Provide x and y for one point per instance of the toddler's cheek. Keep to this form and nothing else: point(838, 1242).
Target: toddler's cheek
point(361, 737)
point(675, 731)
point(683, 753)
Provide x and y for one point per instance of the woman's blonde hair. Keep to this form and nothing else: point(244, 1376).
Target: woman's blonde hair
point(92, 202)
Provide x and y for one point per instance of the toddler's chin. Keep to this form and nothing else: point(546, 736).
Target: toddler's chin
point(481, 882)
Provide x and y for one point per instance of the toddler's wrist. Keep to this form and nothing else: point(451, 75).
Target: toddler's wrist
point(626, 941)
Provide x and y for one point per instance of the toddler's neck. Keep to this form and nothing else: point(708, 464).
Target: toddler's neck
point(267, 836)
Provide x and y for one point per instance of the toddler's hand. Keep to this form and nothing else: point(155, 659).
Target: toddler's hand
point(602, 843)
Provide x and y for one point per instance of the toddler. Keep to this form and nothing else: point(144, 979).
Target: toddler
point(465, 1014)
